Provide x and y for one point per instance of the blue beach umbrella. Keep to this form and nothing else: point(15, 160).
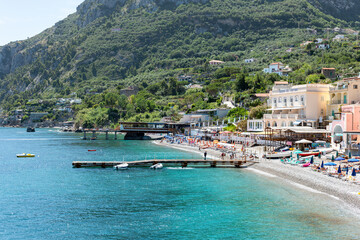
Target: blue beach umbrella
point(337, 153)
point(312, 160)
point(332, 158)
point(339, 159)
point(339, 169)
point(353, 160)
point(322, 164)
point(330, 164)
point(353, 172)
point(349, 154)
point(347, 170)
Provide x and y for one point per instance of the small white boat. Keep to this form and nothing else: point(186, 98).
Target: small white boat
point(278, 154)
point(157, 166)
point(121, 166)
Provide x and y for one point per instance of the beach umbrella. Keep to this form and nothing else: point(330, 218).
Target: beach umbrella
point(339, 159)
point(349, 154)
point(353, 172)
point(337, 153)
point(322, 164)
point(339, 169)
point(353, 160)
point(330, 164)
point(312, 160)
point(298, 157)
point(297, 152)
point(347, 170)
point(332, 158)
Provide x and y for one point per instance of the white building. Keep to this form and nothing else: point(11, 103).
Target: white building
point(278, 68)
point(216, 62)
point(255, 125)
point(249, 60)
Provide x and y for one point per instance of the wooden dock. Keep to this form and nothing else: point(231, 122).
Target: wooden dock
point(166, 162)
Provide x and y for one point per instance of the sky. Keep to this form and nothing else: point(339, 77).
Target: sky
point(20, 19)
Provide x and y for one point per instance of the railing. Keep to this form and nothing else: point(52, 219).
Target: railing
point(282, 116)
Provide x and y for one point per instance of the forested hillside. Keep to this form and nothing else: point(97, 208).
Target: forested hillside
point(108, 45)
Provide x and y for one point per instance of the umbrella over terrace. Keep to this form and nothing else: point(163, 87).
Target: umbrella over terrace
point(339, 169)
point(353, 160)
point(339, 159)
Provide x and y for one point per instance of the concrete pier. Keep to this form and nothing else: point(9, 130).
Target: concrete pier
point(169, 162)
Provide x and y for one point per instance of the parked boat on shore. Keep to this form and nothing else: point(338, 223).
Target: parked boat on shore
point(276, 155)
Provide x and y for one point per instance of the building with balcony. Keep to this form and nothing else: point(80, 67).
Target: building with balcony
point(346, 91)
point(346, 130)
point(297, 105)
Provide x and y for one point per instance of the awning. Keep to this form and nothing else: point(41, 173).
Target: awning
point(303, 141)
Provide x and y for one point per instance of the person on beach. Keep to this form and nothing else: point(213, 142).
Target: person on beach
point(205, 153)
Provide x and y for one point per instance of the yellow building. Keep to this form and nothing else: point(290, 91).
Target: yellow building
point(297, 105)
point(346, 91)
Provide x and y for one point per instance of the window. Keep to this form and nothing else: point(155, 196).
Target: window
point(285, 99)
point(322, 112)
point(274, 100)
point(291, 99)
point(302, 98)
point(280, 99)
point(296, 98)
point(355, 87)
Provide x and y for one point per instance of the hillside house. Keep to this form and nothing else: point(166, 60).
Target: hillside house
point(323, 46)
point(339, 38)
point(186, 78)
point(249, 60)
point(132, 90)
point(278, 68)
point(216, 62)
point(329, 73)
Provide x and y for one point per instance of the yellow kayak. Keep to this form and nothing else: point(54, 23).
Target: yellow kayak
point(25, 155)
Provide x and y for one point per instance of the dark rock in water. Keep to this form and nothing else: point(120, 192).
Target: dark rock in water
point(30, 129)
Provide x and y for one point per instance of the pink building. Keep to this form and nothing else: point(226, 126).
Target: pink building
point(347, 130)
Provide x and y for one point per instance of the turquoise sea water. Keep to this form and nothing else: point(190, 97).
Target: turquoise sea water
point(45, 198)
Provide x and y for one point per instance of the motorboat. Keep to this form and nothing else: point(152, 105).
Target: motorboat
point(275, 155)
point(122, 166)
point(23, 155)
point(157, 166)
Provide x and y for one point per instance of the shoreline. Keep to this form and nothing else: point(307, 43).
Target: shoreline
point(299, 177)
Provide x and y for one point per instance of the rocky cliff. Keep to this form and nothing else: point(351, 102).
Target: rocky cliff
point(343, 9)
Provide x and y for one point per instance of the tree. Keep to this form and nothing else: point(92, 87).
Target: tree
point(240, 84)
point(257, 112)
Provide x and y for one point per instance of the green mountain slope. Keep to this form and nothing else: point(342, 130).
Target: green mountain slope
point(111, 42)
